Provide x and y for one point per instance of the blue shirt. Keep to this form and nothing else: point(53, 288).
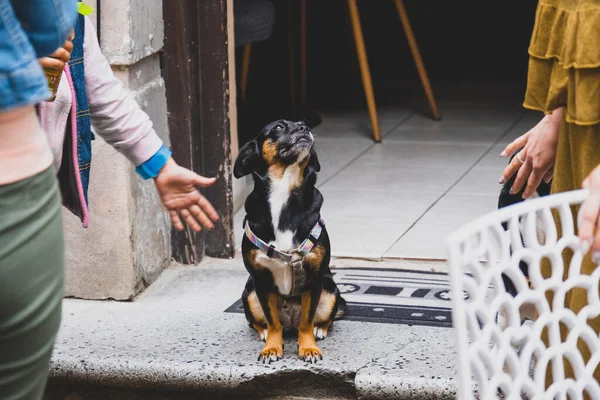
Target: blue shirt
point(29, 30)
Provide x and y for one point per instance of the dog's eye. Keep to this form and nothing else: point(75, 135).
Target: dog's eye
point(279, 127)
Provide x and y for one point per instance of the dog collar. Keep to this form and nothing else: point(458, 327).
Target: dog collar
point(272, 252)
point(293, 259)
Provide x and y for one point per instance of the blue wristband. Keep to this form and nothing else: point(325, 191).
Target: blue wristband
point(151, 168)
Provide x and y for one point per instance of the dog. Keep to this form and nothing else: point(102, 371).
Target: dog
point(506, 199)
point(286, 247)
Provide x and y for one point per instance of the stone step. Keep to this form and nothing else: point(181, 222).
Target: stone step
point(176, 342)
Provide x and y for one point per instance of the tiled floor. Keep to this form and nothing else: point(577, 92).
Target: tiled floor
point(403, 197)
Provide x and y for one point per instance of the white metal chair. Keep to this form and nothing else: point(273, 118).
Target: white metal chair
point(513, 359)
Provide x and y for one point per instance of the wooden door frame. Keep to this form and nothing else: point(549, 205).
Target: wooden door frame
point(196, 71)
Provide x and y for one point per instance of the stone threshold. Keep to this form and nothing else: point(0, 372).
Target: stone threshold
point(176, 342)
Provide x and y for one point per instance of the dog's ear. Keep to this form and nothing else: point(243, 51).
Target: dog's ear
point(313, 161)
point(246, 160)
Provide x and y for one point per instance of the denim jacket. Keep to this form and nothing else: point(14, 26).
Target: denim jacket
point(30, 29)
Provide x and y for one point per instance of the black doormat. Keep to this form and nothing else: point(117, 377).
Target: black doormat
point(391, 296)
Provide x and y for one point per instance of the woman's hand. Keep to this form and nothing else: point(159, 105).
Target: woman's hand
point(177, 188)
point(60, 57)
point(589, 224)
point(536, 160)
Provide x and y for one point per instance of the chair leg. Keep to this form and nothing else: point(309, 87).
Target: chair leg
point(364, 68)
point(414, 48)
point(245, 69)
point(303, 7)
point(291, 58)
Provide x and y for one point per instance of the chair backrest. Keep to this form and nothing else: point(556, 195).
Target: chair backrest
point(511, 357)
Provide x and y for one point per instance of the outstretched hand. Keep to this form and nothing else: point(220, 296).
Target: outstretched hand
point(535, 161)
point(177, 188)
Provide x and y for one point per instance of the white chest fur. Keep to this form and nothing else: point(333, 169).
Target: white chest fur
point(278, 198)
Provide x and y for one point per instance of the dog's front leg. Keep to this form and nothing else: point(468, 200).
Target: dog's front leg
point(313, 262)
point(307, 345)
point(273, 349)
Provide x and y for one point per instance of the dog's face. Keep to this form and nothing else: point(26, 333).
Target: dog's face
point(279, 144)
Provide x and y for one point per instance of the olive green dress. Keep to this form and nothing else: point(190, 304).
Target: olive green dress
point(564, 71)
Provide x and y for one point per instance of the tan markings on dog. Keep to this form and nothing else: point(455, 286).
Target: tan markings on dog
point(296, 183)
point(252, 256)
point(276, 171)
point(295, 173)
point(273, 349)
point(307, 346)
point(269, 151)
point(325, 307)
point(256, 309)
point(315, 257)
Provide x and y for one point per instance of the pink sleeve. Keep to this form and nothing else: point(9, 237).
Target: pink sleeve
point(115, 115)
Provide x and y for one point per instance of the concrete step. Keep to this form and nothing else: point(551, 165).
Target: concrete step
point(176, 342)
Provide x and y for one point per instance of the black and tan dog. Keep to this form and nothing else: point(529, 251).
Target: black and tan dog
point(286, 247)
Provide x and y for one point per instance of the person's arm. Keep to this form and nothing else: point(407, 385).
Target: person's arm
point(47, 23)
point(119, 120)
point(115, 115)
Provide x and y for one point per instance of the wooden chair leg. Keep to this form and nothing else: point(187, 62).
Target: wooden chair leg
point(245, 69)
point(364, 68)
point(414, 48)
point(291, 61)
point(303, 7)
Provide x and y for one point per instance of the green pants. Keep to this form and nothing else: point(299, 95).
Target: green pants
point(31, 283)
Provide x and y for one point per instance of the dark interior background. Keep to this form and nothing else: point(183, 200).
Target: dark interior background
point(462, 42)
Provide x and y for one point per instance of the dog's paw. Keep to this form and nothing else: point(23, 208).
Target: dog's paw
point(270, 354)
point(320, 333)
point(310, 354)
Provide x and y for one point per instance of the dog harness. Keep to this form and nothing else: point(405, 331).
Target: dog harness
point(293, 259)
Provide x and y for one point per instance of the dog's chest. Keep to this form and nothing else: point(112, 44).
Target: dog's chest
point(279, 196)
point(282, 272)
point(290, 313)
